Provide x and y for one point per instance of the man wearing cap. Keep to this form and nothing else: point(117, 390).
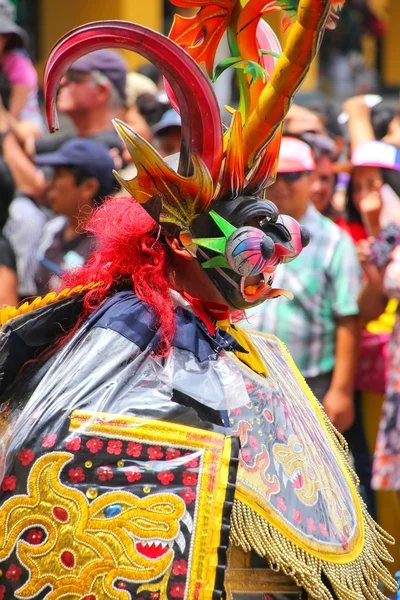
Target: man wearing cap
point(167, 133)
point(92, 93)
point(320, 325)
point(82, 179)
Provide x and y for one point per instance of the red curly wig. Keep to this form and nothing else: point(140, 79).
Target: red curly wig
point(127, 249)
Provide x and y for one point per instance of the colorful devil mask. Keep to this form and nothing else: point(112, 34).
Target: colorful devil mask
point(210, 202)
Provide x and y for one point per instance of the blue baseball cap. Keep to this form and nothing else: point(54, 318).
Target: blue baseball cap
point(169, 119)
point(91, 157)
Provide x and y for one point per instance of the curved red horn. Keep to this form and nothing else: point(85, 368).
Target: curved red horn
point(201, 121)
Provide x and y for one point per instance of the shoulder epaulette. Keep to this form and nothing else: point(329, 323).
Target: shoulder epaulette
point(11, 312)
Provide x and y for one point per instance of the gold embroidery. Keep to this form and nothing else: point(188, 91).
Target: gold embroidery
point(315, 479)
point(87, 546)
point(214, 453)
point(11, 312)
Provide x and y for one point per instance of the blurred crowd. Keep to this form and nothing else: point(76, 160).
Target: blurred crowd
point(338, 173)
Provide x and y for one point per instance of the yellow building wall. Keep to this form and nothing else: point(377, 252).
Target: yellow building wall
point(58, 17)
point(391, 47)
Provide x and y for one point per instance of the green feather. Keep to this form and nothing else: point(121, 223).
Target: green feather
point(224, 225)
point(217, 261)
point(214, 244)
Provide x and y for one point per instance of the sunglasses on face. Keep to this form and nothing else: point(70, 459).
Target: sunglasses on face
point(292, 177)
point(76, 76)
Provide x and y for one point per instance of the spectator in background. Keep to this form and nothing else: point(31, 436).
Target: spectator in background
point(141, 93)
point(24, 230)
point(8, 268)
point(92, 93)
point(379, 286)
point(320, 326)
point(18, 80)
point(324, 179)
point(167, 133)
point(144, 111)
point(152, 73)
point(373, 165)
point(82, 179)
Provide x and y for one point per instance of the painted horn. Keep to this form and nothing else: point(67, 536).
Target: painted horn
point(289, 72)
point(201, 121)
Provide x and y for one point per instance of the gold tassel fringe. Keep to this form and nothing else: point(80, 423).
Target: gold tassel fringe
point(352, 581)
point(11, 312)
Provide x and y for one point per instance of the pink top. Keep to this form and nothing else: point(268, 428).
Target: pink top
point(19, 70)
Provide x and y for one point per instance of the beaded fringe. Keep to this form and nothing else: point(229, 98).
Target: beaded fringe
point(352, 581)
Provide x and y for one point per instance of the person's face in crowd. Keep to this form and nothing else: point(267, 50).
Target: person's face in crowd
point(66, 196)
point(323, 184)
point(134, 119)
point(300, 120)
point(79, 93)
point(291, 193)
point(3, 42)
point(139, 125)
point(168, 141)
point(364, 181)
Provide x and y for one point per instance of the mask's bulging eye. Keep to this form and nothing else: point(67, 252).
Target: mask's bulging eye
point(248, 251)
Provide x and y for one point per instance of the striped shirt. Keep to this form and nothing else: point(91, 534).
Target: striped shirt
point(325, 280)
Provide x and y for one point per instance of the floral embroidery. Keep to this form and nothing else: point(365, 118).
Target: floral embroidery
point(192, 464)
point(105, 473)
point(154, 595)
point(281, 504)
point(49, 440)
point(189, 478)
point(2, 591)
point(179, 567)
point(172, 453)
point(9, 483)
point(114, 447)
point(187, 495)
point(134, 449)
point(155, 453)
point(253, 441)
point(76, 475)
point(133, 474)
point(177, 590)
point(94, 445)
point(280, 434)
point(165, 477)
point(26, 457)
point(73, 444)
point(246, 455)
point(296, 516)
point(323, 529)
point(14, 572)
point(34, 537)
point(311, 526)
